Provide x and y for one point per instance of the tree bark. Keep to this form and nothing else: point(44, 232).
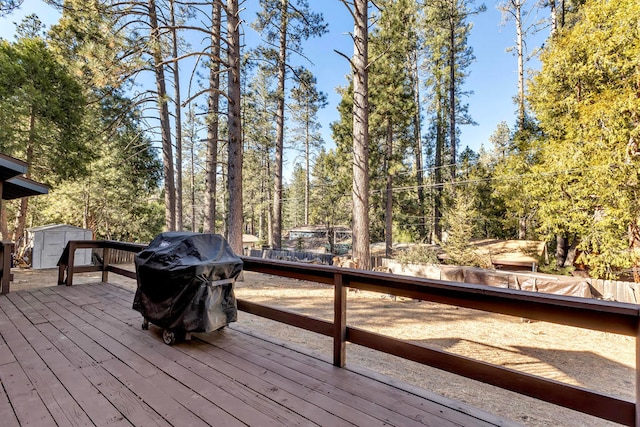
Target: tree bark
point(178, 118)
point(21, 217)
point(4, 229)
point(388, 234)
point(522, 227)
point(211, 163)
point(235, 149)
point(452, 91)
point(277, 184)
point(437, 202)
point(417, 136)
point(165, 125)
point(360, 195)
point(194, 226)
point(554, 17)
point(307, 171)
point(561, 250)
point(517, 13)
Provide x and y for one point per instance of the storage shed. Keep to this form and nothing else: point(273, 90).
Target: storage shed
point(48, 242)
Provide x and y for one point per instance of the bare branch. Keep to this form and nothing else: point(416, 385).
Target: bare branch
point(346, 57)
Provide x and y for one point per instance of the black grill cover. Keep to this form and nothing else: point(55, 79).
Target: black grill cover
point(185, 282)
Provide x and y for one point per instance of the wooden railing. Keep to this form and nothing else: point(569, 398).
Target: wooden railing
point(6, 249)
point(65, 264)
point(612, 317)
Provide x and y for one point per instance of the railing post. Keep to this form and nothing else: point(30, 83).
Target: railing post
point(106, 255)
point(61, 268)
point(7, 250)
point(339, 321)
point(71, 262)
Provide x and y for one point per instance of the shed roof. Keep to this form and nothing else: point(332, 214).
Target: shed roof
point(249, 238)
point(54, 226)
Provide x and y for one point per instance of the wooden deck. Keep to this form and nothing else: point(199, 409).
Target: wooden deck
point(78, 356)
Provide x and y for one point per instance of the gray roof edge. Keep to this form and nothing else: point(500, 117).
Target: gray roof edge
point(51, 226)
point(14, 164)
point(29, 184)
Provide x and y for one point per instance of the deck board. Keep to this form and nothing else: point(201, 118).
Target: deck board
point(78, 356)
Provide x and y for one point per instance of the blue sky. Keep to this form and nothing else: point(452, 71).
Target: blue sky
point(493, 76)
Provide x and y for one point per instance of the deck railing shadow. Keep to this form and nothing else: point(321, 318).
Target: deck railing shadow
point(605, 316)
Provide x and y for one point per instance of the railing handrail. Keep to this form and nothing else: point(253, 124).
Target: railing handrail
point(606, 316)
point(576, 311)
point(65, 263)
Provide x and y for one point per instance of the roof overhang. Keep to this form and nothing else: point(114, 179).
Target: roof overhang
point(19, 186)
point(10, 167)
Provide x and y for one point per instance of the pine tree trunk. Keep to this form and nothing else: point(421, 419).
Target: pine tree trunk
point(234, 177)
point(360, 233)
point(269, 212)
point(452, 93)
point(277, 184)
point(554, 17)
point(21, 217)
point(211, 163)
point(522, 228)
point(307, 171)
point(389, 200)
point(165, 124)
point(178, 118)
point(520, 52)
point(437, 202)
point(417, 136)
point(194, 225)
point(4, 228)
point(561, 250)
point(87, 203)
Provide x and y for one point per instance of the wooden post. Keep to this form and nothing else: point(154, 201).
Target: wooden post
point(61, 269)
point(106, 255)
point(339, 321)
point(72, 253)
point(7, 249)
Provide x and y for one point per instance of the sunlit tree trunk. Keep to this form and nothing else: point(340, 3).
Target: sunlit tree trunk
point(554, 16)
point(165, 125)
point(360, 195)
point(4, 228)
point(417, 144)
point(438, 181)
point(234, 176)
point(178, 118)
point(307, 169)
point(211, 162)
point(21, 217)
point(520, 52)
point(277, 188)
point(192, 175)
point(389, 199)
point(452, 89)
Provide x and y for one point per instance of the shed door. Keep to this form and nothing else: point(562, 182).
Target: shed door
point(52, 247)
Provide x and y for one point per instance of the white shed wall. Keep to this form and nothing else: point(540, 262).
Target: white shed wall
point(49, 243)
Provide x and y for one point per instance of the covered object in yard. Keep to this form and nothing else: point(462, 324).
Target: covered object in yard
point(185, 283)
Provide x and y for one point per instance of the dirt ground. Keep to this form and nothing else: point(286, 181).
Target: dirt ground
point(597, 360)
